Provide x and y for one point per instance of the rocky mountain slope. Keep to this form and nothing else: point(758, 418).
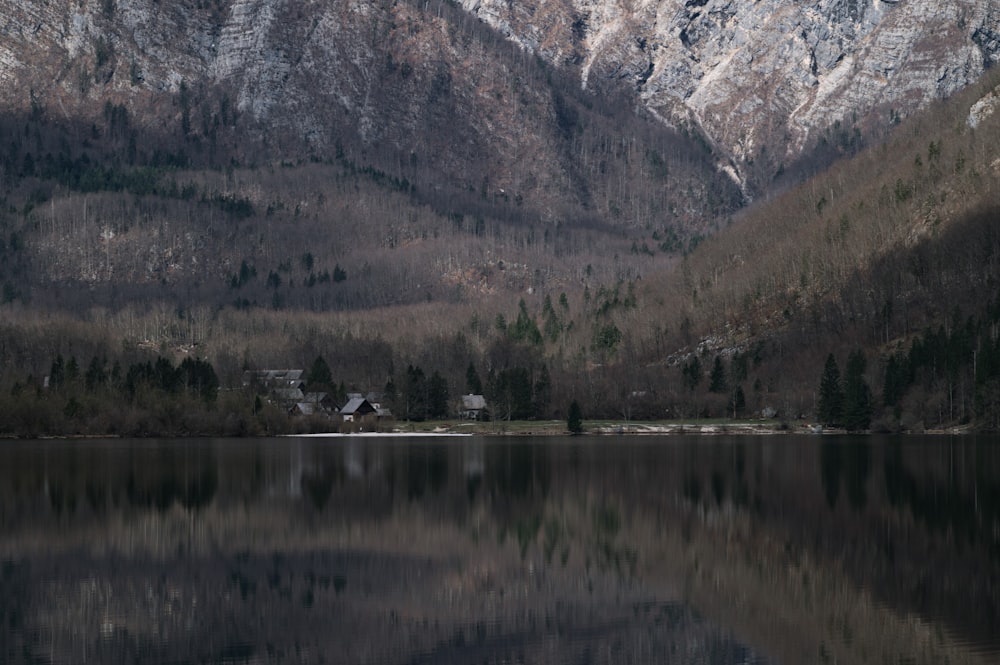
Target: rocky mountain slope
point(422, 91)
point(764, 80)
point(413, 125)
point(424, 86)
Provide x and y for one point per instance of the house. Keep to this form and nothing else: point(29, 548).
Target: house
point(473, 407)
point(276, 379)
point(302, 409)
point(321, 401)
point(375, 400)
point(357, 410)
point(288, 395)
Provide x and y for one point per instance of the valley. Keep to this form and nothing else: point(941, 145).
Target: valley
point(408, 188)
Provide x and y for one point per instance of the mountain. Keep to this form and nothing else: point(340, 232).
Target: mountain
point(405, 186)
point(449, 129)
point(419, 90)
point(764, 81)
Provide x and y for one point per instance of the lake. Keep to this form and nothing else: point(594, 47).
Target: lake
point(660, 549)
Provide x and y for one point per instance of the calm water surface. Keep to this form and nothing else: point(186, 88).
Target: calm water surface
point(781, 549)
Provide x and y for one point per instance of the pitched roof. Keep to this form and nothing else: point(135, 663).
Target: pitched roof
point(357, 404)
point(473, 402)
point(274, 378)
point(304, 408)
point(289, 394)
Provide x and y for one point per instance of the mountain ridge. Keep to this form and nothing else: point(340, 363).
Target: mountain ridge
point(762, 80)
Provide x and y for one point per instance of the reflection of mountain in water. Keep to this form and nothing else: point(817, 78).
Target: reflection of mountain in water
point(470, 551)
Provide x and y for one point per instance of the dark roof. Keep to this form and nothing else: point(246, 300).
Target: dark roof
point(304, 408)
point(275, 378)
point(357, 405)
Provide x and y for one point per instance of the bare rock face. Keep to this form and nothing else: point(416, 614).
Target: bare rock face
point(758, 81)
point(764, 78)
point(305, 77)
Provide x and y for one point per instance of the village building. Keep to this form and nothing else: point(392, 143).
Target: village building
point(358, 410)
point(473, 407)
point(275, 379)
point(303, 409)
point(322, 402)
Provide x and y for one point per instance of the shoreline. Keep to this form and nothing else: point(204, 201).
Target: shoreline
point(536, 429)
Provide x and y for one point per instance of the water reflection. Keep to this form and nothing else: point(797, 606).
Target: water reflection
point(846, 461)
point(695, 550)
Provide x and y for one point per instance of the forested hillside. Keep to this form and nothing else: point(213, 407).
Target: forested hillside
point(534, 242)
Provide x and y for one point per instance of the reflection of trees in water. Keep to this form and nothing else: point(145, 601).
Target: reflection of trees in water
point(726, 475)
point(830, 468)
point(968, 510)
point(575, 507)
point(186, 476)
point(857, 472)
point(516, 481)
point(519, 470)
point(426, 469)
point(326, 470)
point(850, 458)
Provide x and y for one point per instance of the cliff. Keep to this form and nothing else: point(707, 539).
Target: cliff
point(764, 80)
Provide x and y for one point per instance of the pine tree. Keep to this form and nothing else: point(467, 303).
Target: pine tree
point(415, 394)
point(319, 374)
point(897, 379)
point(437, 396)
point(831, 395)
point(574, 421)
point(57, 372)
point(857, 394)
point(717, 379)
point(473, 384)
point(691, 373)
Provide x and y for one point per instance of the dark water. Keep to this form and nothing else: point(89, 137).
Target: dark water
point(781, 549)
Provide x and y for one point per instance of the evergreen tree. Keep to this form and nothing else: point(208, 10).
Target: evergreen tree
point(519, 383)
point(857, 394)
point(198, 376)
point(831, 395)
point(415, 396)
point(896, 380)
point(164, 375)
point(717, 379)
point(739, 367)
point(553, 327)
point(437, 396)
point(57, 372)
point(510, 392)
point(473, 384)
point(72, 370)
point(525, 328)
point(389, 394)
point(96, 374)
point(574, 421)
point(319, 374)
point(691, 373)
